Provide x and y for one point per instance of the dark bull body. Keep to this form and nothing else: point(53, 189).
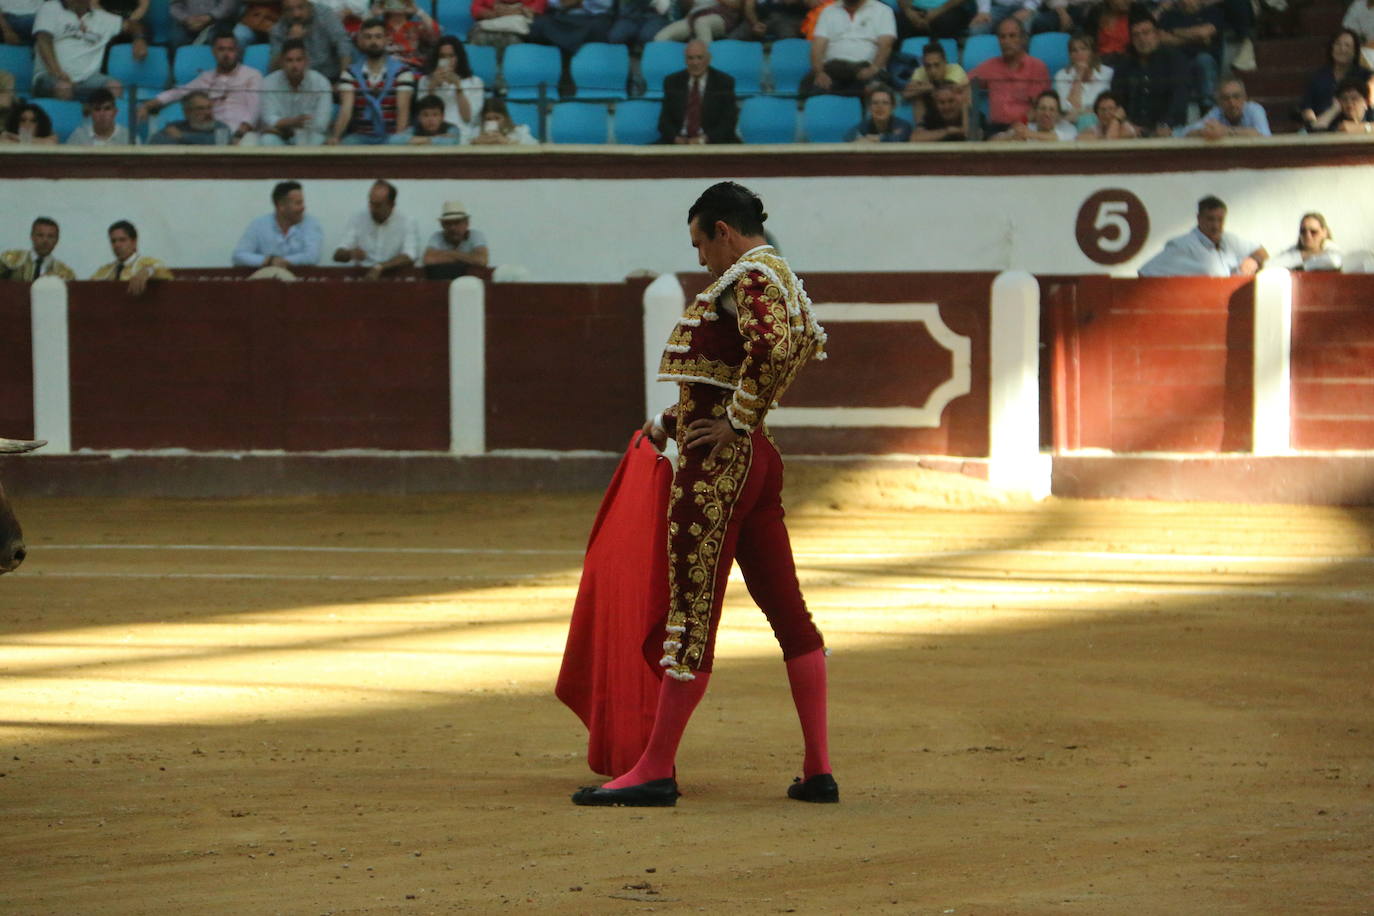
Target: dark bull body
point(11, 536)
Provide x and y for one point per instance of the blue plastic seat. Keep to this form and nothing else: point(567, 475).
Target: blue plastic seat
point(17, 61)
point(259, 57)
point(788, 61)
point(741, 59)
point(153, 72)
point(660, 58)
point(482, 60)
point(454, 17)
point(636, 122)
point(65, 116)
point(527, 66)
point(978, 48)
point(766, 119)
point(190, 61)
point(526, 113)
point(1052, 48)
point(827, 118)
point(601, 71)
point(579, 122)
point(164, 117)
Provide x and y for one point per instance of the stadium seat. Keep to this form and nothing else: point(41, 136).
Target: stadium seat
point(152, 72)
point(741, 59)
point(527, 66)
point(601, 71)
point(190, 61)
point(526, 113)
point(164, 117)
point(1052, 48)
point(827, 118)
point(660, 58)
point(579, 122)
point(636, 122)
point(978, 48)
point(917, 43)
point(259, 57)
point(482, 60)
point(765, 119)
point(454, 17)
point(65, 116)
point(17, 61)
point(788, 61)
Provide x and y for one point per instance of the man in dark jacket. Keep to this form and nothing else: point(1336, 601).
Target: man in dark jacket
point(1152, 83)
point(699, 102)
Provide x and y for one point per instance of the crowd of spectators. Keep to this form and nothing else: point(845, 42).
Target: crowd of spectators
point(371, 72)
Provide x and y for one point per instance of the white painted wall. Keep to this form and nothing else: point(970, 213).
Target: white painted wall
point(602, 230)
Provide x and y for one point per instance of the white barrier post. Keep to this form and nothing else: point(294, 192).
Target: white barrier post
point(467, 366)
point(52, 386)
point(1014, 459)
point(1272, 421)
point(663, 302)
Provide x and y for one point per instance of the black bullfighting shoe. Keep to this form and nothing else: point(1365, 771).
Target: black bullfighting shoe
point(658, 793)
point(819, 788)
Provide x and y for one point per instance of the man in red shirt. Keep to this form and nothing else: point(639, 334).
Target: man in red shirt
point(1013, 81)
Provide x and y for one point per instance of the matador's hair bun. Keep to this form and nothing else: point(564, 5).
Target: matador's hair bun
point(730, 203)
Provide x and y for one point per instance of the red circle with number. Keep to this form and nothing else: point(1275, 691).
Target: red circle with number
point(1112, 226)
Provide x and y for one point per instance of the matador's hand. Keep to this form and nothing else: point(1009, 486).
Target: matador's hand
point(714, 433)
point(655, 434)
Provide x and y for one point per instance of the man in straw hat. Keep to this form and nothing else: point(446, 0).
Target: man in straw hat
point(456, 246)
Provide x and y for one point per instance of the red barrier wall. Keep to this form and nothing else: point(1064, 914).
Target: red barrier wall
point(1333, 362)
point(16, 362)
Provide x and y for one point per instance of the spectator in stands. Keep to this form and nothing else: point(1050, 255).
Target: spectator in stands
point(379, 238)
point(936, 18)
point(1208, 250)
point(428, 127)
point(1109, 24)
point(103, 128)
point(699, 102)
point(1082, 81)
point(296, 100)
point(498, 129)
point(704, 20)
point(128, 263)
point(135, 28)
point(70, 38)
point(1109, 121)
point(1357, 116)
point(449, 76)
point(569, 24)
point(199, 127)
point(1065, 16)
point(16, 20)
point(411, 32)
point(1314, 250)
point(233, 87)
point(29, 124)
point(638, 21)
point(38, 261)
point(193, 18)
point(991, 13)
point(1319, 105)
point(935, 69)
point(1047, 123)
point(256, 21)
point(1152, 82)
point(946, 118)
point(502, 23)
point(850, 47)
point(880, 125)
point(1359, 18)
point(1014, 80)
point(374, 93)
point(456, 246)
point(1234, 115)
point(1195, 30)
point(286, 237)
point(327, 45)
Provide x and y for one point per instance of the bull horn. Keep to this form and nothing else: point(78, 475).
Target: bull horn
point(20, 445)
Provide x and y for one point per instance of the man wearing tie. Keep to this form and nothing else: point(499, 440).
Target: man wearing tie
point(26, 266)
point(699, 102)
point(128, 263)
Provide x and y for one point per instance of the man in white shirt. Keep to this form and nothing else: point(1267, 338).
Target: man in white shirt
point(70, 38)
point(101, 129)
point(1208, 250)
point(379, 238)
point(296, 101)
point(850, 46)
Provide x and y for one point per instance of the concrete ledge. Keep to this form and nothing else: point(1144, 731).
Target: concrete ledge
point(1333, 479)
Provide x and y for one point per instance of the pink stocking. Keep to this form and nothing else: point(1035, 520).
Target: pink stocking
point(806, 674)
point(676, 701)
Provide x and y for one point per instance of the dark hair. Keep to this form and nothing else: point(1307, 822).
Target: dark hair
point(461, 67)
point(372, 23)
point(1353, 85)
point(390, 189)
point(195, 94)
point(1354, 36)
point(292, 44)
point(730, 203)
point(44, 128)
point(934, 47)
point(124, 224)
point(44, 221)
point(427, 102)
point(944, 84)
point(1108, 96)
point(282, 189)
point(100, 97)
point(1210, 202)
point(1140, 14)
point(225, 33)
point(1050, 93)
point(875, 88)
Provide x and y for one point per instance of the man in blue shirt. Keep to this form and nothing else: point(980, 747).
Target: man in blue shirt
point(1234, 115)
point(284, 238)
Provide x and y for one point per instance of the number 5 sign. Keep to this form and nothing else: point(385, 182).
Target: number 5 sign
point(1112, 226)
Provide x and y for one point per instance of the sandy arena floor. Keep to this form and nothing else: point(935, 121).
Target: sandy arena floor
point(344, 706)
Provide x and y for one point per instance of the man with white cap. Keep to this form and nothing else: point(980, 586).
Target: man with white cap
point(456, 246)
